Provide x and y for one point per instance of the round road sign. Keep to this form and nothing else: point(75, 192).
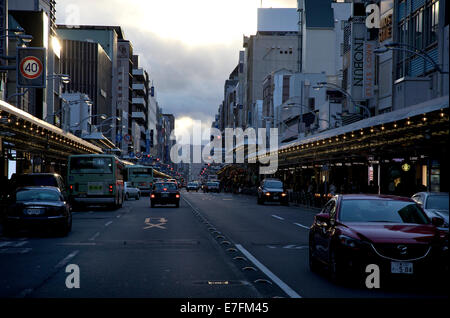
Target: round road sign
point(127, 138)
point(31, 67)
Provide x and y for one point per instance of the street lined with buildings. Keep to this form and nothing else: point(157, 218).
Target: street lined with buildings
point(323, 173)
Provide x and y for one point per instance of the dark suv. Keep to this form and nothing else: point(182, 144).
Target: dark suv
point(272, 190)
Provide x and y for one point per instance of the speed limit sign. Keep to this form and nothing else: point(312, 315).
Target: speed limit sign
point(31, 67)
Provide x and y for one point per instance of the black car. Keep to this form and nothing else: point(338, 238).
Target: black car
point(36, 208)
point(272, 190)
point(165, 193)
point(39, 179)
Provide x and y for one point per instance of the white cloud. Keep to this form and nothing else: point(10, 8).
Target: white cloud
point(189, 48)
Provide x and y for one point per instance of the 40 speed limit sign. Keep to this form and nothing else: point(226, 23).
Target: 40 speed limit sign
point(31, 64)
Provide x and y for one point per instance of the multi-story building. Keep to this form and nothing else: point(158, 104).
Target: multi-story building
point(107, 37)
point(152, 121)
point(139, 111)
point(393, 128)
point(275, 46)
point(36, 18)
point(125, 95)
point(90, 71)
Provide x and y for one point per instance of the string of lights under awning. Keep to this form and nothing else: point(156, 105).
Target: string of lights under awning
point(390, 128)
point(18, 126)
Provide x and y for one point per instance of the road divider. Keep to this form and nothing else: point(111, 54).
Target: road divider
point(288, 290)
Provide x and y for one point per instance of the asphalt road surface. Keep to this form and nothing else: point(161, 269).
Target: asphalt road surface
point(213, 246)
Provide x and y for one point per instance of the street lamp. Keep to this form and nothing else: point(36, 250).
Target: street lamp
point(26, 38)
point(109, 118)
point(395, 46)
point(102, 116)
point(300, 106)
point(321, 85)
point(281, 122)
point(63, 77)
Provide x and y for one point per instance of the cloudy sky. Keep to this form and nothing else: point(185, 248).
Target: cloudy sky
point(189, 47)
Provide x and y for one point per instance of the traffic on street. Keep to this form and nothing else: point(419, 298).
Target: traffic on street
point(218, 245)
point(214, 157)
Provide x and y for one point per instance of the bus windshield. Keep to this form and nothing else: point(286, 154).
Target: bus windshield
point(91, 165)
point(140, 172)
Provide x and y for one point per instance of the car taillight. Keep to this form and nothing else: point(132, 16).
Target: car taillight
point(71, 188)
point(268, 194)
point(110, 188)
point(165, 189)
point(177, 196)
point(284, 194)
point(152, 196)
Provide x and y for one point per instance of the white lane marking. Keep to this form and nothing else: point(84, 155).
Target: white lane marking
point(118, 216)
point(21, 244)
point(15, 250)
point(277, 217)
point(288, 290)
point(66, 259)
point(108, 223)
point(95, 236)
point(301, 225)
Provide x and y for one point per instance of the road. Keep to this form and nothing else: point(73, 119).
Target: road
point(213, 246)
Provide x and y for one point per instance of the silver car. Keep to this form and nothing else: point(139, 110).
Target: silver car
point(131, 192)
point(435, 204)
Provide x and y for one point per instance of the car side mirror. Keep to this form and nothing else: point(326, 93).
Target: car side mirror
point(323, 217)
point(437, 221)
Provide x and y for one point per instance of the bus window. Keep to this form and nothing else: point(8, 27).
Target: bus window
point(91, 165)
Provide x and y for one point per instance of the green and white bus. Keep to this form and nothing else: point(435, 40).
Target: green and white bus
point(140, 177)
point(95, 180)
point(143, 177)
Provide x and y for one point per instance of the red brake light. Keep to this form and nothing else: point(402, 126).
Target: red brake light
point(152, 196)
point(165, 189)
point(177, 196)
point(110, 188)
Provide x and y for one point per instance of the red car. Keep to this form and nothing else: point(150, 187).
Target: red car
point(353, 231)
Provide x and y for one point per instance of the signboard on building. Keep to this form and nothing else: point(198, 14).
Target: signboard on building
point(369, 69)
point(31, 67)
point(385, 31)
point(356, 67)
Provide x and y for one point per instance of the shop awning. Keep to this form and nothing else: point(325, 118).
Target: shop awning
point(383, 119)
point(24, 131)
point(385, 129)
point(98, 139)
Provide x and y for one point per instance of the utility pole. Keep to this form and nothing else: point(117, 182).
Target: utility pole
point(300, 36)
